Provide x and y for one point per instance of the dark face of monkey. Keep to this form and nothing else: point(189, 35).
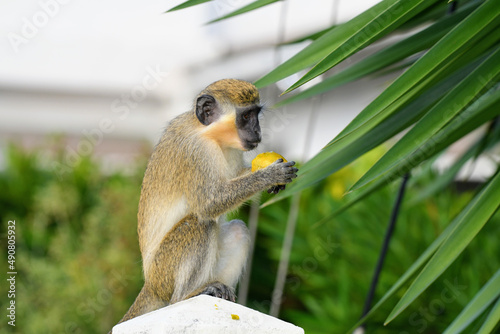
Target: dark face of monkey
point(247, 123)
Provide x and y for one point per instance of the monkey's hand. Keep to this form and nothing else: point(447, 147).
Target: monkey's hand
point(281, 173)
point(219, 290)
point(276, 189)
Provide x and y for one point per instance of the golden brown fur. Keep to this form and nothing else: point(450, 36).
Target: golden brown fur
point(237, 92)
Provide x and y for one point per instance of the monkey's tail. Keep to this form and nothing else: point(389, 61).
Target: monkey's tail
point(146, 301)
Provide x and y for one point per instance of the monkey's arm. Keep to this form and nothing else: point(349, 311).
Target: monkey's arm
point(224, 195)
point(273, 190)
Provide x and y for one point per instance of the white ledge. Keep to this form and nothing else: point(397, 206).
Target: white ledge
point(207, 315)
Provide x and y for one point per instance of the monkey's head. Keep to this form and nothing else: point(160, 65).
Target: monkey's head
point(229, 109)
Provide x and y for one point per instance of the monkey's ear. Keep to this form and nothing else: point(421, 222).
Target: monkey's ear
point(206, 109)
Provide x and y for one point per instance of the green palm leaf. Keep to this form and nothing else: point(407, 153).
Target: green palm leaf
point(442, 113)
point(486, 142)
point(252, 6)
point(385, 22)
point(310, 37)
point(324, 45)
point(492, 320)
point(474, 216)
point(407, 87)
point(422, 259)
point(487, 295)
point(187, 4)
point(450, 48)
point(333, 157)
point(418, 42)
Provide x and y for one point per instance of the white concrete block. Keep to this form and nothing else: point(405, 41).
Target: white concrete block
point(207, 315)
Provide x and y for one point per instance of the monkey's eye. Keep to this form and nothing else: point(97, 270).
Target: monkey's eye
point(246, 117)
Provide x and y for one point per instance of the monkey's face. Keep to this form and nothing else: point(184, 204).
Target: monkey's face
point(247, 123)
point(230, 126)
point(230, 110)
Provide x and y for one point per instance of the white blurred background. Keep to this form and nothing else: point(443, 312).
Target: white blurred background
point(108, 75)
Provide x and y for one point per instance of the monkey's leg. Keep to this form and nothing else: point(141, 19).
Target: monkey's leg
point(185, 259)
point(233, 246)
point(183, 263)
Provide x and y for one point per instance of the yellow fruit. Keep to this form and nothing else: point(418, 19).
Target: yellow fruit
point(265, 159)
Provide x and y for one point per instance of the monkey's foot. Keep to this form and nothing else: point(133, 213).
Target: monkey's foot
point(219, 290)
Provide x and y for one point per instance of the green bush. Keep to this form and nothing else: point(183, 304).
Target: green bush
point(77, 256)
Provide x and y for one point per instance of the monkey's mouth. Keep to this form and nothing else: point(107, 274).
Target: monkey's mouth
point(250, 145)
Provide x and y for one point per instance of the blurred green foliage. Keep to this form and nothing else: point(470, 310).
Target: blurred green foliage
point(77, 256)
point(79, 267)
